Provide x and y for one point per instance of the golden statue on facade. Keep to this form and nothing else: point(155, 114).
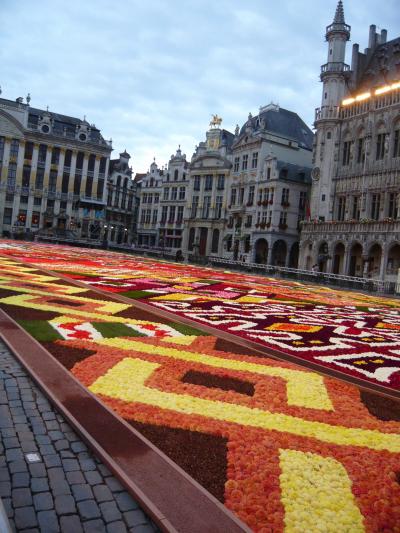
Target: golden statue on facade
point(215, 121)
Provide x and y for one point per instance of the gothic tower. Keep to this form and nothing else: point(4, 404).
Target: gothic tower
point(334, 76)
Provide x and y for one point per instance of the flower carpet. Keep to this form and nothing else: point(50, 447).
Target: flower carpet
point(284, 448)
point(349, 332)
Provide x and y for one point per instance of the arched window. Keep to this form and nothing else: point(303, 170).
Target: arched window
point(125, 183)
point(176, 174)
point(119, 181)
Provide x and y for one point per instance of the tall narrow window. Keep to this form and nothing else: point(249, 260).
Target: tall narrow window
point(206, 206)
point(375, 206)
point(380, 145)
point(392, 211)
point(221, 182)
point(208, 183)
point(355, 213)
point(218, 207)
point(360, 151)
point(53, 180)
point(346, 153)
point(196, 184)
point(12, 174)
point(250, 199)
point(236, 164)
point(341, 207)
point(14, 148)
point(28, 150)
point(254, 160)
point(195, 205)
point(172, 209)
point(245, 161)
point(233, 196)
point(42, 154)
point(396, 143)
point(179, 217)
point(26, 176)
point(55, 156)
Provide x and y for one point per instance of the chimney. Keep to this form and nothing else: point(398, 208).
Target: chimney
point(372, 37)
point(383, 36)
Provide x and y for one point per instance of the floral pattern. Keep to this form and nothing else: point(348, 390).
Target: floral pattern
point(352, 333)
point(303, 451)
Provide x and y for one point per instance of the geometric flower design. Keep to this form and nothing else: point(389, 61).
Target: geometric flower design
point(302, 451)
point(328, 327)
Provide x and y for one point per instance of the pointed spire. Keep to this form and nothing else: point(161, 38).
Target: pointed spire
point(339, 15)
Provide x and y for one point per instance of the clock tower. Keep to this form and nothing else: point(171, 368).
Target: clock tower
point(334, 76)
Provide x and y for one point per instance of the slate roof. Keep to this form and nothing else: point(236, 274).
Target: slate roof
point(59, 121)
point(227, 138)
point(283, 123)
point(63, 121)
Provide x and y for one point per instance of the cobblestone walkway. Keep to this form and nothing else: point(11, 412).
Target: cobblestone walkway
point(65, 488)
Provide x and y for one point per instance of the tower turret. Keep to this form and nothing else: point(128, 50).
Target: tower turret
point(335, 71)
point(334, 76)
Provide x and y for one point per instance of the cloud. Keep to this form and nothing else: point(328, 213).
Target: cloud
point(149, 74)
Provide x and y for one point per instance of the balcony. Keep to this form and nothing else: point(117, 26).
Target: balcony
point(86, 200)
point(327, 112)
point(335, 68)
point(353, 227)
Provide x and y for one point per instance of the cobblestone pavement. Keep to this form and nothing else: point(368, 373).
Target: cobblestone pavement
point(67, 489)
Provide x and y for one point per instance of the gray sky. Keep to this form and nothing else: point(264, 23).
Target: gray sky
point(150, 73)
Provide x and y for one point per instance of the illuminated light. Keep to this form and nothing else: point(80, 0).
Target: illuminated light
point(383, 90)
point(363, 96)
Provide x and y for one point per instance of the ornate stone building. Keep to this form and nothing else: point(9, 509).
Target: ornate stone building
point(268, 187)
point(121, 214)
point(175, 181)
point(354, 227)
point(205, 217)
point(52, 173)
point(150, 188)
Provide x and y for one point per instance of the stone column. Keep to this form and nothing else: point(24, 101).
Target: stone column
point(60, 169)
point(346, 260)
point(35, 155)
point(3, 176)
point(72, 172)
point(20, 163)
point(84, 174)
point(96, 179)
point(384, 260)
point(6, 159)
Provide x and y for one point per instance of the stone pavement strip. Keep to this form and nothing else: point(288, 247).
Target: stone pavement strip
point(65, 488)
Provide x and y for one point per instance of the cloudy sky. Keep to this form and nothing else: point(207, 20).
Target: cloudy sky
point(149, 73)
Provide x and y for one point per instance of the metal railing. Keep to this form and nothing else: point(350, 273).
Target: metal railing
point(337, 280)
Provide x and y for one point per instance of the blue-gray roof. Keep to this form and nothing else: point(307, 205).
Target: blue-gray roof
point(283, 123)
